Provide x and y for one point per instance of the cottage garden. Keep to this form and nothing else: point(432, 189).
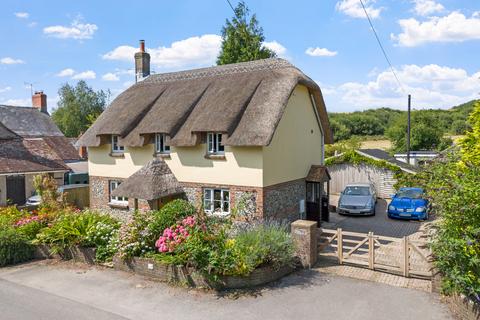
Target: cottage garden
point(175, 235)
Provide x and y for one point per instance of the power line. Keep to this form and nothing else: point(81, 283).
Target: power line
point(230, 4)
point(381, 46)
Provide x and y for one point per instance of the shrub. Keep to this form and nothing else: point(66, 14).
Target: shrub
point(133, 237)
point(14, 247)
point(77, 229)
point(167, 216)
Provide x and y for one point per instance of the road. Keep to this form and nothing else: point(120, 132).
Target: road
point(52, 290)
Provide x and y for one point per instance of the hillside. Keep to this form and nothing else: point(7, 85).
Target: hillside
point(376, 122)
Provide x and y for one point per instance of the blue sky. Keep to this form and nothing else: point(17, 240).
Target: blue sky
point(433, 45)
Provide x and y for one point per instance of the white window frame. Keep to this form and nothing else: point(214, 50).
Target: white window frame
point(209, 202)
point(112, 185)
point(214, 144)
point(160, 144)
point(115, 147)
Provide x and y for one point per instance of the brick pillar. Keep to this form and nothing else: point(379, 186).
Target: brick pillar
point(304, 234)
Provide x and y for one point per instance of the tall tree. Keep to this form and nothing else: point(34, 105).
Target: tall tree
point(471, 142)
point(78, 108)
point(242, 38)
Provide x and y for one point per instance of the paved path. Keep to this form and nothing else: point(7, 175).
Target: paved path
point(379, 224)
point(67, 291)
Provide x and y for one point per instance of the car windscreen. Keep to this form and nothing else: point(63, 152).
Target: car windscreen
point(357, 191)
point(410, 193)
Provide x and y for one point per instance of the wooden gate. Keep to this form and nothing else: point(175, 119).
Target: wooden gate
point(16, 189)
point(405, 256)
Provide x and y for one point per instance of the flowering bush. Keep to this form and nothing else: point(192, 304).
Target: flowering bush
point(134, 234)
point(104, 237)
point(174, 236)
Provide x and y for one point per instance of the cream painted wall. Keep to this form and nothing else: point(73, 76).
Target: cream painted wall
point(101, 164)
point(242, 166)
point(296, 144)
point(3, 190)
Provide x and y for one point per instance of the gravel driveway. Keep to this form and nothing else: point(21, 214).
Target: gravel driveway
point(52, 290)
point(379, 224)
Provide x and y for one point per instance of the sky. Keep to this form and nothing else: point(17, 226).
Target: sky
point(433, 45)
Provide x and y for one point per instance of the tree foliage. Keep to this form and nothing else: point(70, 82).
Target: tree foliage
point(242, 38)
point(78, 108)
point(471, 142)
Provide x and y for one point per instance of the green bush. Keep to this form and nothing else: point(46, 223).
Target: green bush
point(14, 247)
point(87, 229)
point(168, 215)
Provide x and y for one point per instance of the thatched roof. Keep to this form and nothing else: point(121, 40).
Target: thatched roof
point(245, 101)
point(318, 174)
point(152, 181)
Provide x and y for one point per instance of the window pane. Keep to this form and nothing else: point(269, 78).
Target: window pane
point(226, 195)
point(217, 205)
point(226, 206)
point(208, 194)
point(210, 142)
point(220, 147)
point(207, 205)
point(217, 195)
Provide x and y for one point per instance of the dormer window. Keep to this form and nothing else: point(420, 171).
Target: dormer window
point(115, 147)
point(214, 144)
point(160, 143)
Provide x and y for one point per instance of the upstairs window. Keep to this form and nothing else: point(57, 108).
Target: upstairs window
point(160, 143)
point(117, 200)
point(214, 143)
point(216, 201)
point(115, 147)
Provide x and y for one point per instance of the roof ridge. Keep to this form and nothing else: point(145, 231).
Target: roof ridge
point(22, 107)
point(241, 67)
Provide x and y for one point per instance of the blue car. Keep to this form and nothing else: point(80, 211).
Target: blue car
point(409, 203)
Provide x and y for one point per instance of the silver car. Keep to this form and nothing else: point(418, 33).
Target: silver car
point(358, 199)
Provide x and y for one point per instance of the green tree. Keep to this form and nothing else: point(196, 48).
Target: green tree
point(78, 108)
point(471, 142)
point(340, 130)
point(242, 38)
point(425, 133)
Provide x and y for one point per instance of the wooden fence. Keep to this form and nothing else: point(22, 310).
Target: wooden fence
point(404, 256)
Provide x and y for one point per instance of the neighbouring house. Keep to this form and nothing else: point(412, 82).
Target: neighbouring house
point(247, 135)
point(417, 158)
point(30, 144)
point(366, 165)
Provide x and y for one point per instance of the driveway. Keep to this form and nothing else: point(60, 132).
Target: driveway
point(52, 290)
point(379, 224)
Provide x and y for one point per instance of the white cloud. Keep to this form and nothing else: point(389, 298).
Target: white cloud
point(320, 52)
point(32, 24)
point(5, 89)
point(77, 30)
point(454, 27)
point(431, 86)
point(17, 102)
point(66, 73)
point(22, 15)
point(353, 8)
point(8, 60)
point(110, 77)
point(276, 47)
point(89, 74)
point(194, 51)
point(427, 7)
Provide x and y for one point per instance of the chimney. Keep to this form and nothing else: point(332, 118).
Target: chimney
point(142, 63)
point(39, 101)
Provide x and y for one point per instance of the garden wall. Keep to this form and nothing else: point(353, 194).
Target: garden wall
point(183, 275)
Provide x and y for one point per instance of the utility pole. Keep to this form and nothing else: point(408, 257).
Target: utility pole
point(408, 127)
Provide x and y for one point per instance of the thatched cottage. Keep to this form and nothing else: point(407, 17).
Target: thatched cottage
point(246, 132)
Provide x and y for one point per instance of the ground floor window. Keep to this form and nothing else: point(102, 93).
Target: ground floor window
point(118, 200)
point(216, 201)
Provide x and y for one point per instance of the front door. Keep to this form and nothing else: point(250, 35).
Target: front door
point(313, 201)
point(16, 189)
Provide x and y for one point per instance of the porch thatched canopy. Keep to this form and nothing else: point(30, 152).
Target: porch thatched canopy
point(154, 181)
point(318, 174)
